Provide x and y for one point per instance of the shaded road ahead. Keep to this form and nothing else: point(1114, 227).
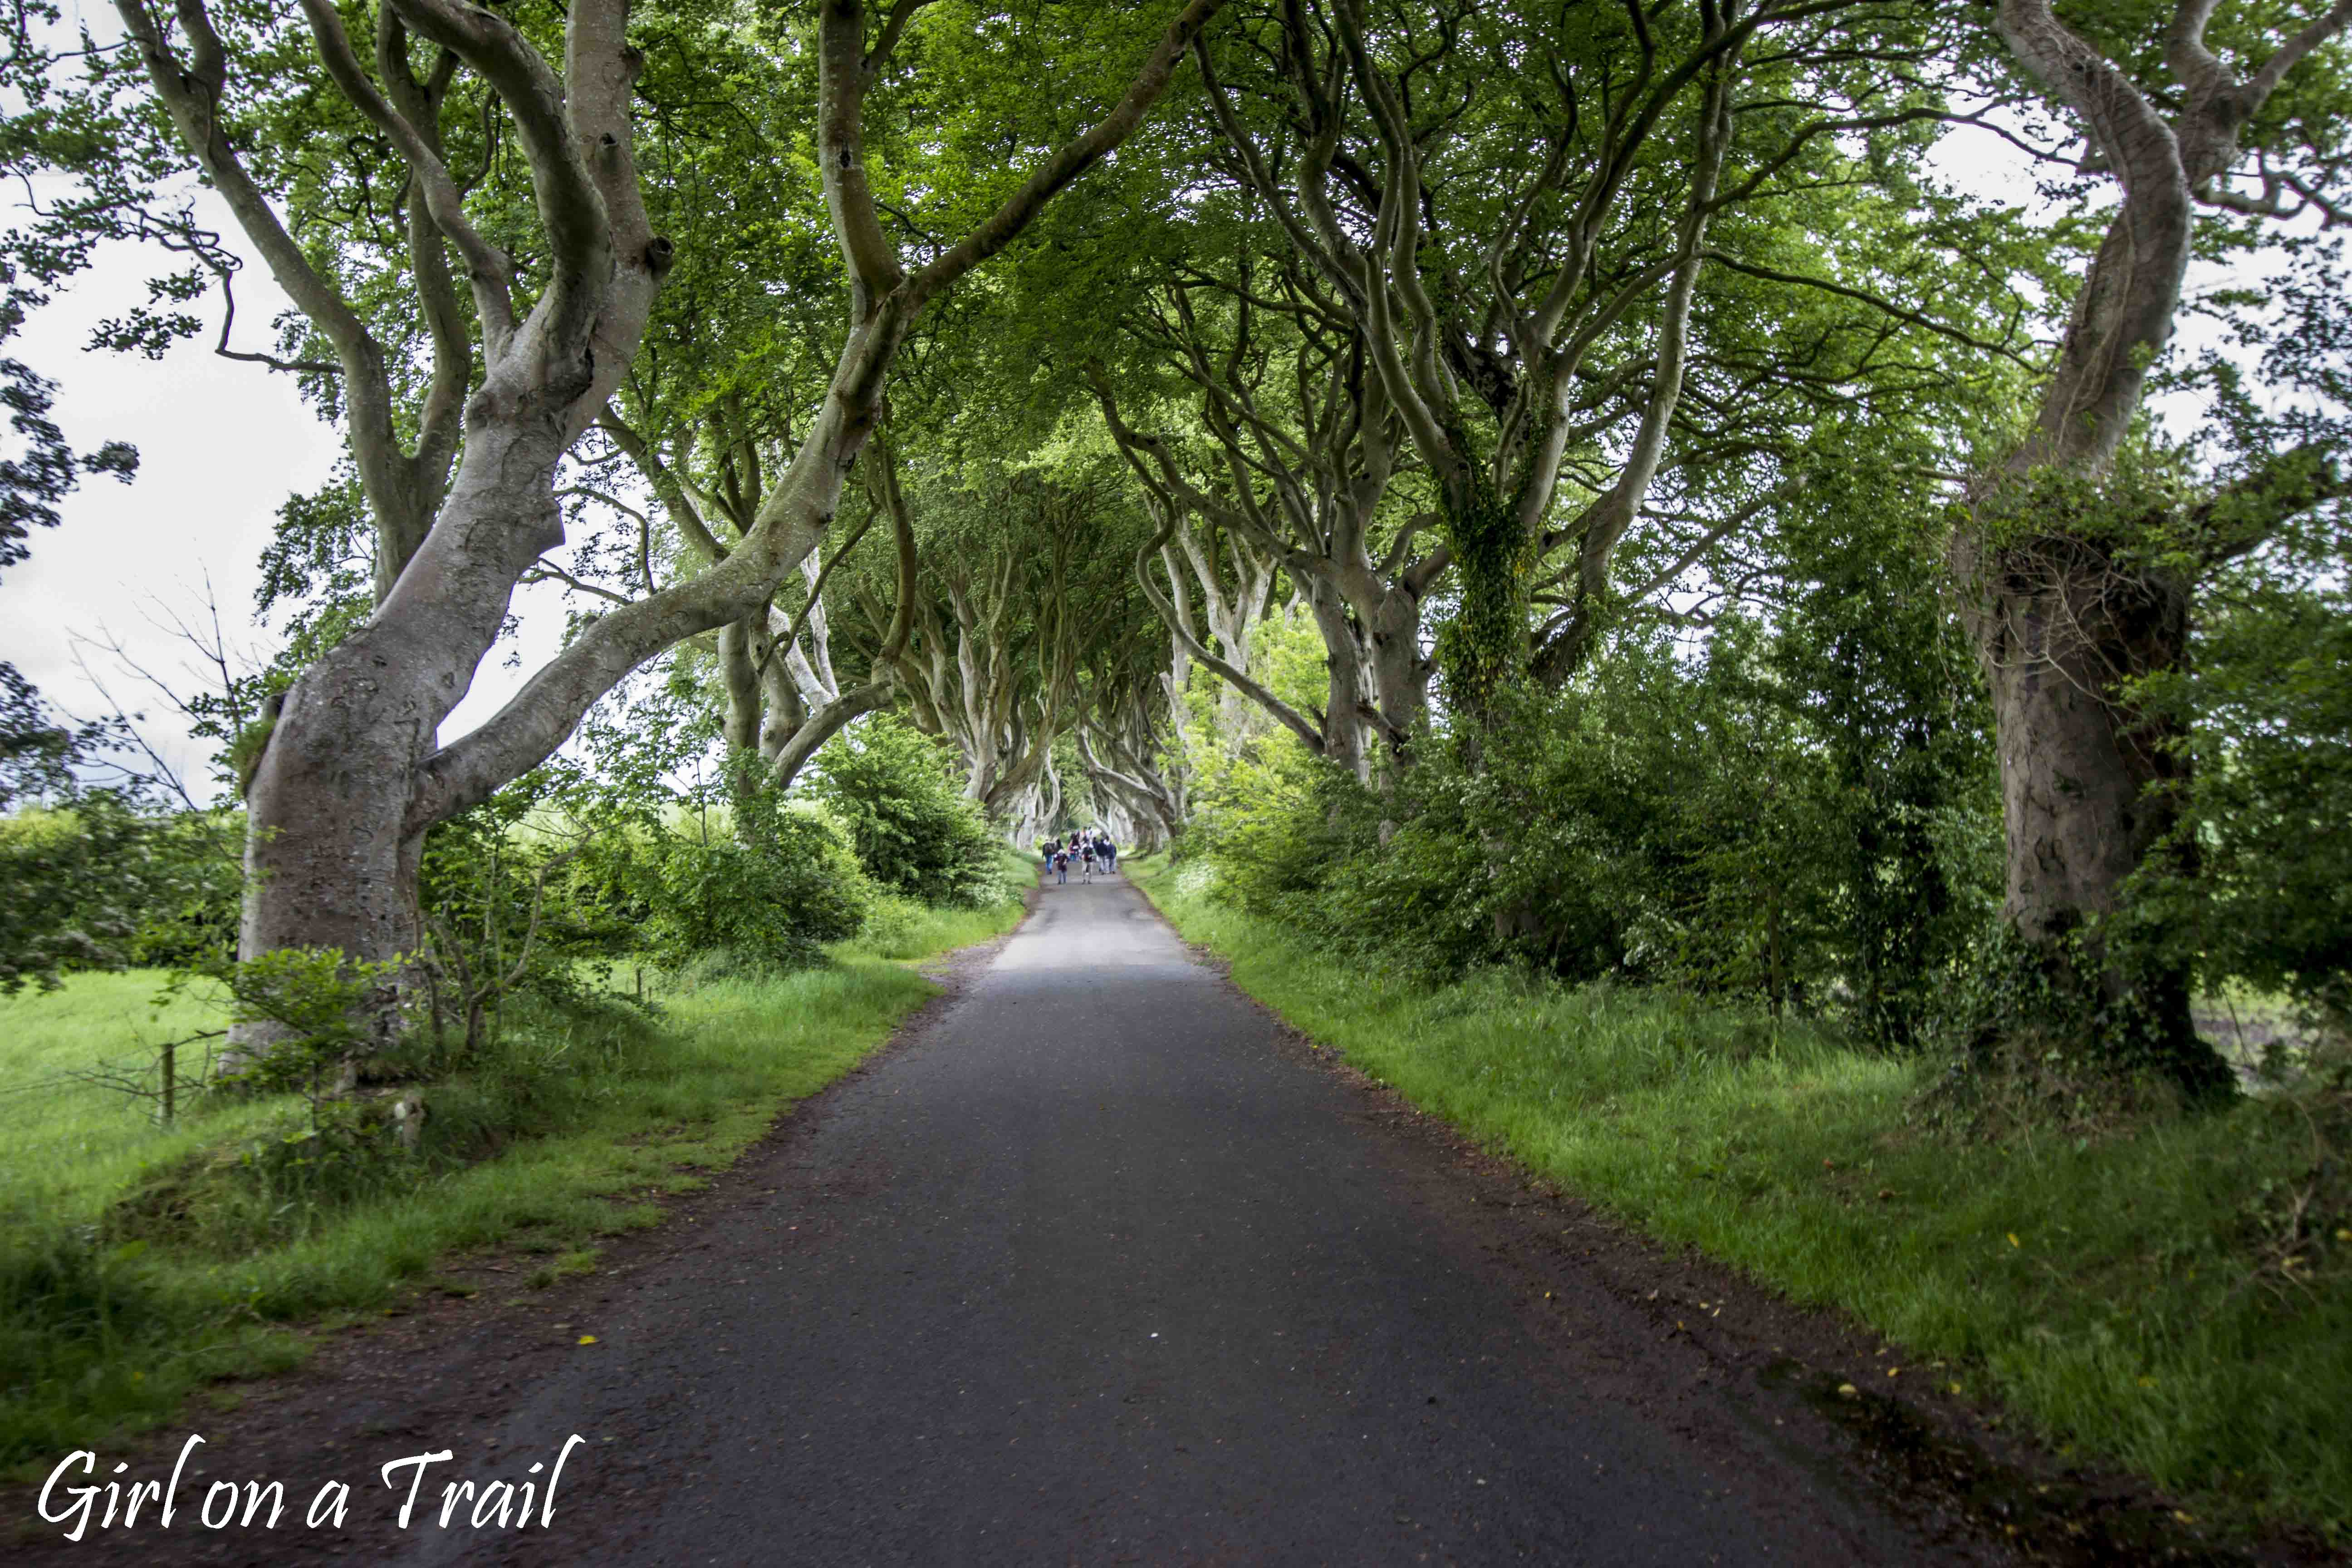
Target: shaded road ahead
point(1100, 1270)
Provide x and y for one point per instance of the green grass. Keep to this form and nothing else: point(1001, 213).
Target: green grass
point(2123, 1295)
point(66, 1144)
point(594, 1115)
point(905, 930)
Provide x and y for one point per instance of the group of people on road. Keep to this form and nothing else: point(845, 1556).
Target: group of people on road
point(1088, 849)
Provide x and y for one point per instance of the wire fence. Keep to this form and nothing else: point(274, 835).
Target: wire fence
point(162, 1075)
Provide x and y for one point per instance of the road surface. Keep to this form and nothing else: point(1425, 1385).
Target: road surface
point(1100, 1270)
point(1098, 1265)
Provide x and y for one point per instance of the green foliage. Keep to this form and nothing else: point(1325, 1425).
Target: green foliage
point(309, 1006)
point(535, 891)
point(2263, 893)
point(44, 469)
point(901, 928)
point(763, 898)
point(85, 859)
point(104, 883)
point(1886, 689)
point(188, 916)
point(2036, 1051)
point(1481, 649)
point(73, 891)
point(1798, 818)
point(894, 791)
point(308, 1000)
point(318, 1150)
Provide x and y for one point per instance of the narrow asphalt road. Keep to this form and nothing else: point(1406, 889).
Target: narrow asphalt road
point(1101, 1269)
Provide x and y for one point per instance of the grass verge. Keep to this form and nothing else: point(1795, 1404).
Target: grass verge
point(592, 1114)
point(2165, 1298)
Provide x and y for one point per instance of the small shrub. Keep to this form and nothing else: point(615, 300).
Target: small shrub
point(769, 896)
point(892, 789)
point(894, 927)
point(536, 892)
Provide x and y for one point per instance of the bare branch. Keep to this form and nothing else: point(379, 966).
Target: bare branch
point(1876, 301)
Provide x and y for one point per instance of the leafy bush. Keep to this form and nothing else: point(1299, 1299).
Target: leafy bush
point(1660, 819)
point(534, 891)
point(70, 904)
point(767, 896)
point(893, 789)
point(189, 918)
point(311, 1000)
point(2264, 893)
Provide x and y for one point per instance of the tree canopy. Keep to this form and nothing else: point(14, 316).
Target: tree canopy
point(1445, 394)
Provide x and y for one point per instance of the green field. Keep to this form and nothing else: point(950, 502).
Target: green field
point(2177, 1299)
point(587, 1116)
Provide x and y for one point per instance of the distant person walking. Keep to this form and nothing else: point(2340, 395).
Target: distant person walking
point(1062, 867)
point(1109, 851)
point(1087, 856)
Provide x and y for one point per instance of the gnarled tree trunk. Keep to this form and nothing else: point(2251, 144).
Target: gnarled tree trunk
point(2086, 778)
point(2091, 783)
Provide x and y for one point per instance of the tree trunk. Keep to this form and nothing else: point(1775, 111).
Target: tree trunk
point(331, 851)
point(1483, 650)
point(327, 861)
point(2080, 770)
point(1343, 659)
point(1397, 670)
point(739, 652)
point(2091, 785)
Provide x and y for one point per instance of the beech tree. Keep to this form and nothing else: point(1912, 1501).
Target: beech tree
point(462, 485)
point(2077, 585)
point(1002, 618)
point(1293, 472)
point(1515, 210)
point(1124, 730)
